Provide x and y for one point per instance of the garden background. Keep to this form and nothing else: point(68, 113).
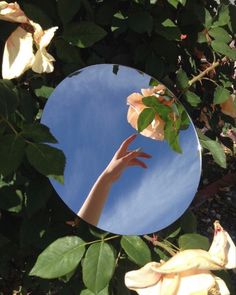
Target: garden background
point(189, 46)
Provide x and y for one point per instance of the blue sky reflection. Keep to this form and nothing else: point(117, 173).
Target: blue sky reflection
point(87, 114)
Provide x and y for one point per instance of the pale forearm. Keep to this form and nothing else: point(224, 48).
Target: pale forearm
point(95, 201)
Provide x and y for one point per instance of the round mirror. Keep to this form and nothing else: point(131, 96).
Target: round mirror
point(92, 113)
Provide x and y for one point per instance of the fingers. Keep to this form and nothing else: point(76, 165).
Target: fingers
point(137, 162)
point(134, 154)
point(126, 143)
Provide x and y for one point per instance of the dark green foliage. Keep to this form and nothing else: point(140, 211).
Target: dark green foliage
point(174, 41)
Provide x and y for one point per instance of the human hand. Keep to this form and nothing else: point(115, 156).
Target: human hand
point(124, 158)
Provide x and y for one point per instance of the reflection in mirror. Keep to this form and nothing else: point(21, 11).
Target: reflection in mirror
point(115, 178)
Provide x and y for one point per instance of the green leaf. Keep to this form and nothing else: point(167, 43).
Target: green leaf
point(8, 98)
point(174, 233)
point(223, 16)
point(59, 258)
point(84, 34)
point(193, 241)
point(176, 2)
point(136, 249)
point(182, 79)
point(140, 22)
point(220, 95)
point(38, 133)
point(44, 91)
point(102, 292)
point(67, 9)
point(220, 34)
point(188, 222)
point(11, 153)
point(98, 266)
point(215, 148)
point(159, 108)
point(68, 53)
point(172, 137)
point(192, 98)
point(224, 49)
point(145, 118)
point(46, 159)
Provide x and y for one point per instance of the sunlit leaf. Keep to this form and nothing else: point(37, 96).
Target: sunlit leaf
point(44, 91)
point(98, 266)
point(220, 34)
point(193, 241)
point(145, 118)
point(59, 258)
point(136, 249)
point(192, 98)
point(220, 95)
point(224, 49)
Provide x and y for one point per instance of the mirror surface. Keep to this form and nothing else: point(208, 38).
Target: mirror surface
point(87, 113)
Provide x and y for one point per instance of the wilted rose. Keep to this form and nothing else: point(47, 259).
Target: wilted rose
point(189, 271)
point(18, 53)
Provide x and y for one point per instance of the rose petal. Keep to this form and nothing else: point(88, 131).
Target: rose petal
point(222, 286)
point(150, 91)
point(135, 100)
point(187, 260)
point(47, 37)
point(18, 54)
point(228, 107)
point(43, 62)
point(170, 284)
point(143, 277)
point(222, 249)
point(195, 282)
point(12, 12)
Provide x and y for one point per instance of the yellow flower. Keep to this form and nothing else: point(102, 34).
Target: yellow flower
point(188, 272)
point(18, 53)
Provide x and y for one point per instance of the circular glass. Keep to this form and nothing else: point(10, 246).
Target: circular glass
point(87, 113)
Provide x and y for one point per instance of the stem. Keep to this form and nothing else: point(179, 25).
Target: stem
point(202, 74)
point(161, 245)
point(102, 240)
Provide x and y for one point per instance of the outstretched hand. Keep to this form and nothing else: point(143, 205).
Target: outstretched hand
point(124, 158)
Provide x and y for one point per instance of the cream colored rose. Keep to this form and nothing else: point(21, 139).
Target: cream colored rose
point(18, 53)
point(188, 272)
